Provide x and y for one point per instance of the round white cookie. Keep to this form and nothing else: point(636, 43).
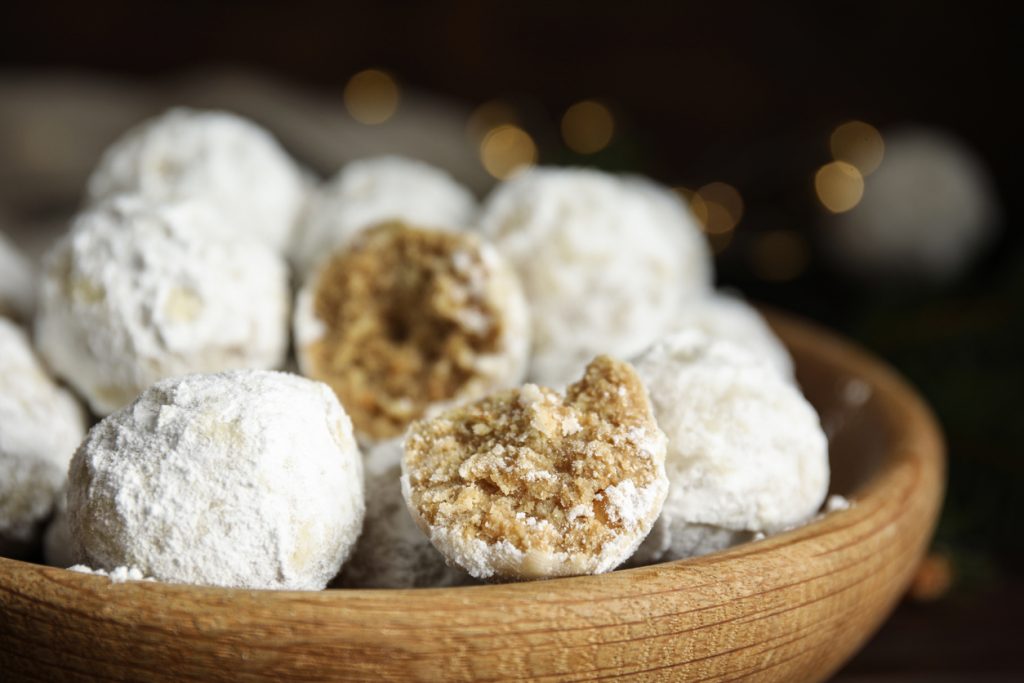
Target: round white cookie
point(746, 451)
point(41, 425)
point(928, 211)
point(375, 190)
point(215, 156)
point(247, 478)
point(142, 290)
point(606, 262)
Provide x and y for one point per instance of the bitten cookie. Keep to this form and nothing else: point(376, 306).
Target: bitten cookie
point(529, 484)
point(406, 319)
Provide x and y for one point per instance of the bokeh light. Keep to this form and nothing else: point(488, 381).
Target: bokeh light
point(588, 127)
point(506, 150)
point(371, 96)
point(933, 579)
point(839, 185)
point(718, 208)
point(724, 207)
point(779, 255)
point(858, 144)
point(489, 116)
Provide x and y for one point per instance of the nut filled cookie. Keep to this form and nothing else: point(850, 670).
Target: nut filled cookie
point(405, 319)
point(529, 484)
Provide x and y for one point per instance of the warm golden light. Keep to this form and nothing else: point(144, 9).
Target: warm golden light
point(507, 149)
point(587, 127)
point(934, 578)
point(487, 117)
point(724, 207)
point(718, 208)
point(858, 144)
point(839, 185)
point(371, 96)
point(779, 255)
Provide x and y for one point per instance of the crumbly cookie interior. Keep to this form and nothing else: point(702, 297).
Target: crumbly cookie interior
point(407, 320)
point(533, 468)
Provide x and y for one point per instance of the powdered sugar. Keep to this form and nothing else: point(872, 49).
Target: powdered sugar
point(631, 506)
point(374, 190)
point(217, 157)
point(40, 427)
point(606, 262)
point(836, 503)
point(141, 290)
point(116, 575)
point(246, 478)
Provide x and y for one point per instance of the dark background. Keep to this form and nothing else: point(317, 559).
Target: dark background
point(746, 93)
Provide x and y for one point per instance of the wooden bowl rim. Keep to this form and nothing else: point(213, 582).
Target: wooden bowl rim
point(918, 445)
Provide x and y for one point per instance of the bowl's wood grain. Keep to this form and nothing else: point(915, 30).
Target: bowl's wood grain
point(792, 607)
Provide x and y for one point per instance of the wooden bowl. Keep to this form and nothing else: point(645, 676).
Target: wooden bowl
point(792, 607)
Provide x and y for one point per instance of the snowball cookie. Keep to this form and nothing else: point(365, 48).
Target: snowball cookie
point(370, 191)
point(528, 484)
point(247, 478)
point(927, 212)
point(215, 156)
point(140, 290)
point(405, 319)
point(17, 282)
point(41, 425)
point(392, 552)
point(606, 262)
point(726, 317)
point(746, 451)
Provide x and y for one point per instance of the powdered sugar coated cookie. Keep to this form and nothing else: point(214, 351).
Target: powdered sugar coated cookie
point(141, 290)
point(246, 478)
point(217, 157)
point(746, 451)
point(606, 262)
